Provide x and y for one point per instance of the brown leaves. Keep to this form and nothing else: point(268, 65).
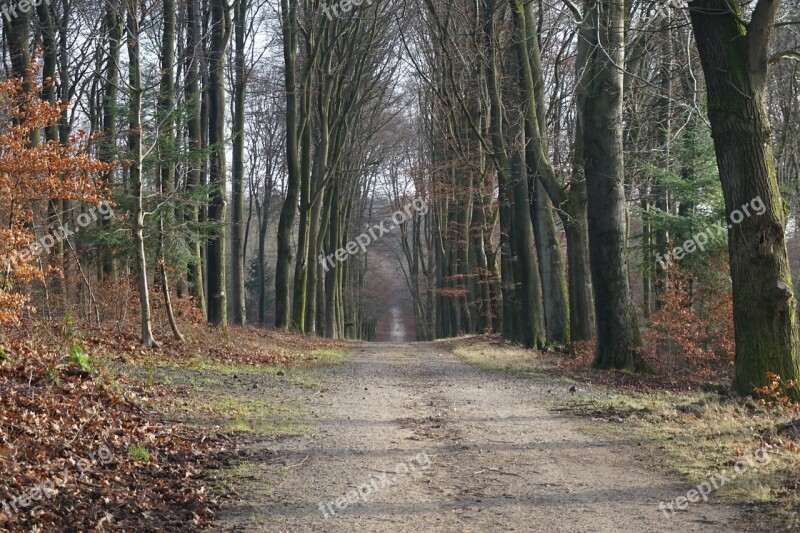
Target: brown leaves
point(29, 175)
point(51, 432)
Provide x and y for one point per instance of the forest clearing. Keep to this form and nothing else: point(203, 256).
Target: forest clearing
point(399, 265)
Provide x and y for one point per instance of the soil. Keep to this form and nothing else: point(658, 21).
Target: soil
point(434, 444)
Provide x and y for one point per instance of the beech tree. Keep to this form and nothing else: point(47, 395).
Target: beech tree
point(736, 58)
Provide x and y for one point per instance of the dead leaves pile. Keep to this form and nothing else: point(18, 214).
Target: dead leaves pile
point(53, 421)
point(235, 346)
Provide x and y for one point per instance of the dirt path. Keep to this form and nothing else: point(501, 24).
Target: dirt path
point(481, 454)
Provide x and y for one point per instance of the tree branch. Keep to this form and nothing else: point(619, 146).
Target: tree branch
point(759, 32)
point(792, 53)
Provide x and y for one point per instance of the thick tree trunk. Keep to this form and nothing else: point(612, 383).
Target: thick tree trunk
point(551, 267)
point(600, 113)
point(581, 306)
point(289, 209)
point(735, 60)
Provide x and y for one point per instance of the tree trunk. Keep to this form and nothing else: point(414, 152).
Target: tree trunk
point(289, 209)
point(166, 148)
point(541, 173)
point(135, 158)
point(735, 61)
point(194, 133)
point(237, 230)
point(217, 286)
point(600, 110)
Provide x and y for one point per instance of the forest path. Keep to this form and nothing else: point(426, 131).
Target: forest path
point(482, 453)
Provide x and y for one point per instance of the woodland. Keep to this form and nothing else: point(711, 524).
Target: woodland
point(258, 182)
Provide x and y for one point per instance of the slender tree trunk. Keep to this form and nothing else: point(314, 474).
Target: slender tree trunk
point(113, 26)
point(237, 241)
point(166, 149)
point(135, 158)
point(217, 261)
point(194, 49)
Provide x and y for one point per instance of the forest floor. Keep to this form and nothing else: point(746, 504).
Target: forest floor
point(254, 430)
point(410, 437)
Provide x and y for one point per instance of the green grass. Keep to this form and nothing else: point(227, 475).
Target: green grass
point(246, 415)
point(139, 453)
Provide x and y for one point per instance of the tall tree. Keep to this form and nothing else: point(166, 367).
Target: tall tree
point(195, 178)
point(238, 229)
point(135, 158)
point(600, 93)
point(289, 209)
point(735, 58)
point(166, 148)
point(216, 261)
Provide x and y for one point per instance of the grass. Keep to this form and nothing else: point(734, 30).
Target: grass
point(139, 453)
point(331, 356)
point(500, 359)
point(246, 415)
point(691, 434)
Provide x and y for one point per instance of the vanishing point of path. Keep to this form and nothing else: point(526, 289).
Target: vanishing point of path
point(482, 454)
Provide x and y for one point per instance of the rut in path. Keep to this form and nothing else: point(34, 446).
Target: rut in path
point(434, 444)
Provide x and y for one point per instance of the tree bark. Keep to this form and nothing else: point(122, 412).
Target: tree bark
point(135, 158)
point(195, 176)
point(735, 62)
point(237, 230)
point(217, 275)
point(600, 93)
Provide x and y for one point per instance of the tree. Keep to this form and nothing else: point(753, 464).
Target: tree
point(289, 209)
point(600, 94)
point(195, 178)
point(735, 58)
point(32, 173)
point(238, 229)
point(135, 159)
point(216, 261)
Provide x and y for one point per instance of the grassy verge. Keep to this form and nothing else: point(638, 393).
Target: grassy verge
point(695, 434)
point(262, 399)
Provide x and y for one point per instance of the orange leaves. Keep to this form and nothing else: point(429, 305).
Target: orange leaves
point(775, 396)
point(692, 333)
point(31, 173)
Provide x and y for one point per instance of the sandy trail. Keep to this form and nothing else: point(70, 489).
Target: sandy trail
point(482, 452)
